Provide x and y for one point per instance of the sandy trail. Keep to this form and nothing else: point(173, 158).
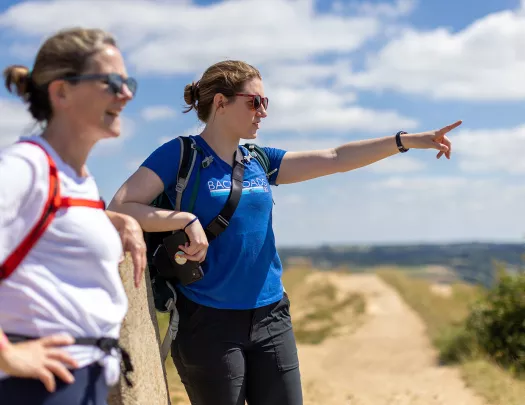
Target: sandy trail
point(388, 360)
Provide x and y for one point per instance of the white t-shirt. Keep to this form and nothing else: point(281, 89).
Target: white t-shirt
point(69, 281)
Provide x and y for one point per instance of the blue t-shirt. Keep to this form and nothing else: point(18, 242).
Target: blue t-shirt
point(242, 269)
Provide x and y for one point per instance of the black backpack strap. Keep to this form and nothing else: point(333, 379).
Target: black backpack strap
point(221, 221)
point(258, 153)
point(188, 155)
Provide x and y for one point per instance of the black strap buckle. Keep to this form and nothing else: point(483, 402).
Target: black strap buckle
point(217, 226)
point(222, 221)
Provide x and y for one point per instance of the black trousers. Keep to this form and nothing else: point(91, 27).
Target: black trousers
point(227, 357)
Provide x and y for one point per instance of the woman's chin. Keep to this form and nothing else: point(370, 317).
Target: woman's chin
point(112, 131)
point(252, 135)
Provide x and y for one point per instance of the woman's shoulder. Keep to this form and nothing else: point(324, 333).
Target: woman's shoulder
point(24, 156)
point(24, 171)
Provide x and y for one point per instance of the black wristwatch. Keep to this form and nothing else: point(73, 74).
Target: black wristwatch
point(400, 146)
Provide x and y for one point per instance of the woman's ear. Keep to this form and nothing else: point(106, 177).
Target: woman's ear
point(58, 94)
point(219, 101)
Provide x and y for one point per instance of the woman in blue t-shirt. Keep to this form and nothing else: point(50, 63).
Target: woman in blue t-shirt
point(235, 340)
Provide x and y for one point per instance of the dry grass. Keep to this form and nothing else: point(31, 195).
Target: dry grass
point(322, 312)
point(439, 312)
point(177, 392)
point(443, 316)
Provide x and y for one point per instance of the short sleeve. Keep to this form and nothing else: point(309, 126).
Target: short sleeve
point(15, 188)
point(275, 156)
point(164, 162)
point(17, 197)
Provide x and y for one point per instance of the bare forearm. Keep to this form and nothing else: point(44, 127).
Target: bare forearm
point(4, 345)
point(354, 155)
point(151, 219)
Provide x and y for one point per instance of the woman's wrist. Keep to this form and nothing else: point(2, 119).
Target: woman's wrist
point(190, 222)
point(4, 347)
point(4, 341)
point(407, 140)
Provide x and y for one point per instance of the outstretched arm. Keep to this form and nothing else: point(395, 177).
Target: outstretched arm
point(302, 166)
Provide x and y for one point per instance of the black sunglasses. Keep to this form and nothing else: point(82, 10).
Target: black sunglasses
point(256, 100)
point(115, 81)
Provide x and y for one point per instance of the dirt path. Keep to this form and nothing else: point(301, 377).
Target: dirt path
point(388, 360)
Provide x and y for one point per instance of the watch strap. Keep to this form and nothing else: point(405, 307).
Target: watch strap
point(399, 144)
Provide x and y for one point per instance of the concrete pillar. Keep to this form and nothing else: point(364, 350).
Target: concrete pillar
point(140, 337)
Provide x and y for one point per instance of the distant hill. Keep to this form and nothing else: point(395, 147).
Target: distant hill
point(473, 262)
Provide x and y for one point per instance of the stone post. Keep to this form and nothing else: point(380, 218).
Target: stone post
point(140, 337)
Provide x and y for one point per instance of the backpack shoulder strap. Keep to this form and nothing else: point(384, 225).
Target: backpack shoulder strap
point(187, 159)
point(53, 203)
point(188, 156)
point(222, 220)
point(258, 153)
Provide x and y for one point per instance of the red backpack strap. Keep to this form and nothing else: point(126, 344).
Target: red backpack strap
point(50, 208)
point(53, 204)
point(66, 202)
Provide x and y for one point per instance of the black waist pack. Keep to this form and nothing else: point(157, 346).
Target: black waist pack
point(169, 266)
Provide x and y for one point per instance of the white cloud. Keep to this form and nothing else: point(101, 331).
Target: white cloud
point(491, 150)
point(157, 112)
point(407, 208)
point(399, 8)
point(134, 164)
point(16, 121)
point(303, 100)
point(168, 37)
point(195, 130)
point(318, 109)
point(421, 184)
point(397, 164)
point(485, 61)
point(283, 41)
point(303, 74)
point(298, 144)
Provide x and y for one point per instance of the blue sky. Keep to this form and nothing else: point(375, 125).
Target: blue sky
point(334, 71)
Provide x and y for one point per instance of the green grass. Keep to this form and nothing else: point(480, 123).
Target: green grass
point(294, 276)
point(321, 311)
point(443, 317)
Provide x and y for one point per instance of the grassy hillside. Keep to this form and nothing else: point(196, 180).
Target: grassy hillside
point(442, 301)
point(472, 262)
point(443, 314)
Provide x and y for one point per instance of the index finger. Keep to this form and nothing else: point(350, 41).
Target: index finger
point(57, 340)
point(450, 127)
point(138, 266)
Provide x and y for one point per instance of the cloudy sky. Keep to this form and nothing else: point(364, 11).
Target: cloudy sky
point(335, 71)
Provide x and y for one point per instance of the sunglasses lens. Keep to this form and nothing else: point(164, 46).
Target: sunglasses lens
point(132, 85)
point(115, 83)
point(265, 103)
point(256, 102)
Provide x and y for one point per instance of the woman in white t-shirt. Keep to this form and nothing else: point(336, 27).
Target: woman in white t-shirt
point(59, 247)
